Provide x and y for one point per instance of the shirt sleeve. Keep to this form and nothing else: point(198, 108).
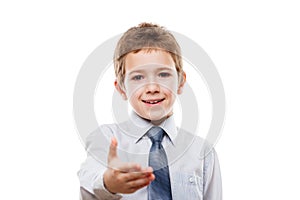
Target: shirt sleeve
point(91, 171)
point(212, 177)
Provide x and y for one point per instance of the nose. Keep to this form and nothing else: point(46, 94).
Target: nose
point(152, 88)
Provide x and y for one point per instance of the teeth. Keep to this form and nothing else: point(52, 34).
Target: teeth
point(153, 102)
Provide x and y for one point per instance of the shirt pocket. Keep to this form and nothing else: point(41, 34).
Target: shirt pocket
point(187, 186)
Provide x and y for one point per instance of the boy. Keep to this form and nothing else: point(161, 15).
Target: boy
point(148, 157)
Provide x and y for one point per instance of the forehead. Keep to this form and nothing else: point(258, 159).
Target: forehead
point(143, 58)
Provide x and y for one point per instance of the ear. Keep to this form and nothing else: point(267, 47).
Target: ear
point(181, 84)
point(120, 90)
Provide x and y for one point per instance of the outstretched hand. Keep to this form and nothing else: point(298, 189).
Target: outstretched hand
point(122, 177)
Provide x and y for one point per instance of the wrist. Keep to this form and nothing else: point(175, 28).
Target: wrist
point(105, 182)
point(100, 189)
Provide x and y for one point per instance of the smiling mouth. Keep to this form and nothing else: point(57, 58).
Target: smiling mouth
point(153, 102)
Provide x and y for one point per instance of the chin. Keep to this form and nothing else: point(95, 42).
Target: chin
point(157, 116)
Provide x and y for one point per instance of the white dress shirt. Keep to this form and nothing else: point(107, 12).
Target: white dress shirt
point(193, 164)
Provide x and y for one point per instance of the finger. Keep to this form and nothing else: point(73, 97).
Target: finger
point(112, 149)
point(135, 175)
point(139, 183)
point(147, 169)
point(133, 167)
point(129, 167)
point(144, 172)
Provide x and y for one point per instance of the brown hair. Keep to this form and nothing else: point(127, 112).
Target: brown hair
point(146, 36)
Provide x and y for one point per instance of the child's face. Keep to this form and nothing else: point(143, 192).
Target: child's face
point(151, 84)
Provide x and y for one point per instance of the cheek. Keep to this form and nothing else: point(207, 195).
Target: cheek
point(134, 94)
point(133, 89)
point(170, 85)
point(171, 96)
point(170, 90)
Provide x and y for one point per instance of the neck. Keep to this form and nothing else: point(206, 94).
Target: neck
point(158, 122)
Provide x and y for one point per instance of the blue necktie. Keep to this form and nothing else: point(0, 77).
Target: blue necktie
point(160, 188)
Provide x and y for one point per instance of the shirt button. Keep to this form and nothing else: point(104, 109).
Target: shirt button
point(191, 180)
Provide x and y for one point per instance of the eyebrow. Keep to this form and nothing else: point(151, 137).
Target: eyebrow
point(158, 69)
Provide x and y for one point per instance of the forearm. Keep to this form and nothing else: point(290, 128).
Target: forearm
point(212, 177)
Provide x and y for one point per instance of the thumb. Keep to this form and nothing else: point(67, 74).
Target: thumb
point(112, 149)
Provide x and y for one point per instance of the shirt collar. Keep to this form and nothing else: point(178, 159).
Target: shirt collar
point(141, 126)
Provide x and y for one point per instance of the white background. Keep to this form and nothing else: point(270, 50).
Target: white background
point(254, 44)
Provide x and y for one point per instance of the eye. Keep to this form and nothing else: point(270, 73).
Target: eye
point(137, 77)
point(164, 74)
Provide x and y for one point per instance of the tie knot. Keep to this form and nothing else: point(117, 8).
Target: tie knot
point(156, 134)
